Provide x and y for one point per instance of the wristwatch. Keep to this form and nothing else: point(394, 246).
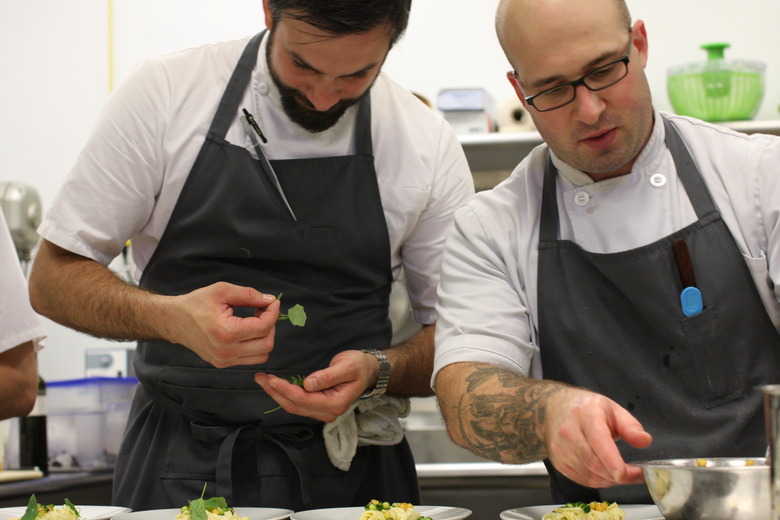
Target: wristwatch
point(384, 374)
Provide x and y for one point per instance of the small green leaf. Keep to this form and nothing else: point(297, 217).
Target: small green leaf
point(72, 507)
point(198, 507)
point(32, 509)
point(297, 315)
point(296, 380)
point(216, 503)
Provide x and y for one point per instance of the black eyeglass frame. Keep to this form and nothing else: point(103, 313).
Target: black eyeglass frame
point(581, 81)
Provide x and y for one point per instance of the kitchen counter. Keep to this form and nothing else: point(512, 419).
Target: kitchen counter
point(88, 488)
point(486, 488)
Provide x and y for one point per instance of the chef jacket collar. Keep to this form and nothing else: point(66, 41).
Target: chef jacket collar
point(649, 162)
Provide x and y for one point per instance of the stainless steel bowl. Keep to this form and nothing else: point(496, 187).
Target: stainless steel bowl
point(712, 489)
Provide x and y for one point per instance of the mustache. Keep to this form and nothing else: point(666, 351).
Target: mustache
point(305, 103)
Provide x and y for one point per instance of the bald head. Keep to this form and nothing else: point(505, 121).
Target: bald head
point(524, 25)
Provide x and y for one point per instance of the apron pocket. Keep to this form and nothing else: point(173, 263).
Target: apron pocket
point(203, 395)
point(711, 360)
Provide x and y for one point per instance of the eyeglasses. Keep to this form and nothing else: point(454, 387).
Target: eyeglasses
point(595, 80)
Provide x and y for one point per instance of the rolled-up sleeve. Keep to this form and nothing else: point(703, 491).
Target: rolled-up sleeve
point(482, 308)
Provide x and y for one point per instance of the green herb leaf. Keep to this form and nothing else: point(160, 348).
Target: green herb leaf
point(216, 503)
point(297, 315)
point(32, 509)
point(198, 507)
point(297, 381)
point(72, 507)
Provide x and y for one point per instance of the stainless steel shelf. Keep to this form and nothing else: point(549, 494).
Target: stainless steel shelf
point(481, 469)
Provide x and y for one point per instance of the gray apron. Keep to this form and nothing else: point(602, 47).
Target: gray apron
point(613, 323)
point(191, 423)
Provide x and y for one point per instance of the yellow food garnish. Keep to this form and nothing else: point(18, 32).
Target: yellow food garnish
point(701, 462)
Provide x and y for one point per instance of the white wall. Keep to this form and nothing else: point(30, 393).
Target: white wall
point(54, 72)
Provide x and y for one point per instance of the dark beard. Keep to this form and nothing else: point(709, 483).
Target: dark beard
point(296, 108)
point(299, 109)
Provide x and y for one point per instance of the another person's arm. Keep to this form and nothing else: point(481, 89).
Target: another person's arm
point(18, 380)
point(513, 419)
point(83, 294)
point(485, 352)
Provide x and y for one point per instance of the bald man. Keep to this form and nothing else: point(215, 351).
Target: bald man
point(562, 334)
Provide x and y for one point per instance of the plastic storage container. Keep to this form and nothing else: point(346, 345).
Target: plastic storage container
point(717, 89)
point(85, 422)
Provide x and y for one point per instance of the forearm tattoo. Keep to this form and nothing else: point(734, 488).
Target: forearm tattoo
point(504, 426)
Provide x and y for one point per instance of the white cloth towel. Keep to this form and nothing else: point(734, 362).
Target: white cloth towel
point(373, 421)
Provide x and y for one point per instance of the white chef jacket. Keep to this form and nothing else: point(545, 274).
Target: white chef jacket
point(18, 321)
point(128, 177)
point(487, 308)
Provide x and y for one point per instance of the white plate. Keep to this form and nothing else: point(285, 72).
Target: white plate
point(633, 512)
point(87, 512)
point(254, 513)
point(353, 513)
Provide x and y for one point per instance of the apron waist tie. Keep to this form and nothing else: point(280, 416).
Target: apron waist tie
point(283, 436)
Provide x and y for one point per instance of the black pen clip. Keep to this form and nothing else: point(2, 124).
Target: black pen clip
point(251, 120)
point(265, 165)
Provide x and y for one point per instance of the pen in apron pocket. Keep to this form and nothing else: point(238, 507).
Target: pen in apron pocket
point(690, 297)
point(253, 130)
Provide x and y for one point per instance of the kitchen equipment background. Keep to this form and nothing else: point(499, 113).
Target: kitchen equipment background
point(717, 89)
point(21, 207)
point(468, 110)
point(85, 423)
point(723, 488)
point(772, 424)
point(512, 116)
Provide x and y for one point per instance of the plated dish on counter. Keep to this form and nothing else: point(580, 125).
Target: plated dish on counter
point(252, 513)
point(354, 513)
point(633, 512)
point(87, 512)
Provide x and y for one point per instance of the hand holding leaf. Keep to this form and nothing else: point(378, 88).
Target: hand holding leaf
point(297, 381)
point(295, 314)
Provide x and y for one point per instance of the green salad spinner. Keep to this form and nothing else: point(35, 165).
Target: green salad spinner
point(717, 89)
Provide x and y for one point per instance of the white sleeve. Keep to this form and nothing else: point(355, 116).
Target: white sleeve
point(18, 322)
point(482, 308)
point(768, 190)
point(451, 187)
point(111, 190)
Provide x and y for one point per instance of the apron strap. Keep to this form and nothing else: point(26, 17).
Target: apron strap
point(548, 227)
point(688, 172)
point(363, 142)
point(284, 436)
point(228, 105)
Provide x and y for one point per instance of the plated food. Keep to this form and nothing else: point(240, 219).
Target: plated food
point(209, 510)
point(633, 512)
point(354, 513)
point(36, 511)
point(253, 513)
point(376, 510)
point(590, 511)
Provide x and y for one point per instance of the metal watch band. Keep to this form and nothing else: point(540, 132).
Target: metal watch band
point(384, 374)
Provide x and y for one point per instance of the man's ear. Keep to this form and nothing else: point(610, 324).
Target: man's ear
point(513, 80)
point(269, 21)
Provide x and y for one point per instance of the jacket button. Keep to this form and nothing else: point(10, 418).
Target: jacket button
point(581, 198)
point(658, 180)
